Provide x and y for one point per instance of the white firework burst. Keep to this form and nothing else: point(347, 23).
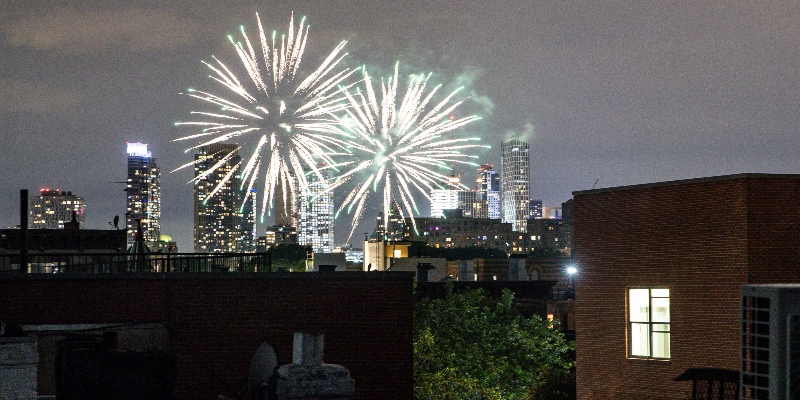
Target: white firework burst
point(287, 113)
point(401, 143)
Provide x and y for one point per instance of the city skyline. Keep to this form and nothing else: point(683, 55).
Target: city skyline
point(623, 93)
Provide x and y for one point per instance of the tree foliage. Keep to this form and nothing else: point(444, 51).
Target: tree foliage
point(546, 252)
point(465, 347)
point(291, 256)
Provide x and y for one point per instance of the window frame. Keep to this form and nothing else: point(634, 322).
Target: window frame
point(649, 323)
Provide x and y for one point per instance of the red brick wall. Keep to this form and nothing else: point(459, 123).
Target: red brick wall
point(701, 239)
point(489, 269)
point(774, 230)
point(218, 321)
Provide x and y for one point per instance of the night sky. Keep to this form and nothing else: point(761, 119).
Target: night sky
point(626, 92)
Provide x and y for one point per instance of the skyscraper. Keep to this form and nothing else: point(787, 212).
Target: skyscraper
point(53, 208)
point(515, 162)
point(467, 200)
point(217, 216)
point(396, 224)
point(443, 199)
point(285, 199)
point(315, 215)
point(247, 223)
point(143, 194)
point(535, 208)
point(488, 186)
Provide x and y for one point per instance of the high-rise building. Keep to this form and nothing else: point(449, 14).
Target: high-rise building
point(51, 209)
point(516, 183)
point(247, 222)
point(488, 199)
point(143, 194)
point(315, 215)
point(217, 216)
point(396, 224)
point(467, 200)
point(443, 199)
point(535, 209)
point(285, 198)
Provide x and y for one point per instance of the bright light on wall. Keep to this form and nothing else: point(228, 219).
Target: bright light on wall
point(571, 270)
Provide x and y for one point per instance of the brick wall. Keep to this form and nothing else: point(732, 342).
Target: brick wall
point(217, 321)
point(700, 238)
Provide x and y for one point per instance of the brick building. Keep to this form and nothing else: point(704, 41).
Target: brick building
point(458, 231)
point(661, 267)
point(213, 323)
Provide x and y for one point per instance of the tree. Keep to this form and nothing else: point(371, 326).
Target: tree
point(465, 347)
point(290, 256)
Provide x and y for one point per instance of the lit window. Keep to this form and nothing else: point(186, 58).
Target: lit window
point(648, 323)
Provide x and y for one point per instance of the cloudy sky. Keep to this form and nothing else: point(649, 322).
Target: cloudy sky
point(626, 92)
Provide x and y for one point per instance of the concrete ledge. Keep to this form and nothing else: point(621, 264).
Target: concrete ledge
point(338, 275)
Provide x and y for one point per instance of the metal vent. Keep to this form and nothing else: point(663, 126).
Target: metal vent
point(755, 348)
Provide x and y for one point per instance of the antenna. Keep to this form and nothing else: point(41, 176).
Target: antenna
point(595, 184)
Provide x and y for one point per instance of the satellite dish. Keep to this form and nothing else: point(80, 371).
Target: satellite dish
point(263, 367)
point(116, 222)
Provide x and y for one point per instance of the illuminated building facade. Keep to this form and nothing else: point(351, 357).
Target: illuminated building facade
point(247, 223)
point(488, 187)
point(315, 216)
point(516, 183)
point(535, 210)
point(143, 194)
point(443, 199)
point(285, 199)
point(53, 208)
point(394, 230)
point(466, 232)
point(467, 200)
point(217, 218)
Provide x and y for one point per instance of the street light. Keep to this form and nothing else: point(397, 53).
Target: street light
point(571, 271)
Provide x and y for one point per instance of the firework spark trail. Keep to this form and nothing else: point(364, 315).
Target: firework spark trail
point(287, 111)
point(402, 145)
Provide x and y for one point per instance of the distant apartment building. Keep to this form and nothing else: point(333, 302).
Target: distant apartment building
point(443, 199)
point(316, 215)
point(457, 231)
point(286, 202)
point(553, 230)
point(549, 233)
point(515, 160)
point(535, 209)
point(217, 199)
point(469, 203)
point(51, 209)
point(394, 227)
point(143, 194)
point(247, 222)
point(277, 235)
point(487, 186)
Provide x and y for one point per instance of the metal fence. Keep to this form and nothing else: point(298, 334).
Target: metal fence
point(39, 263)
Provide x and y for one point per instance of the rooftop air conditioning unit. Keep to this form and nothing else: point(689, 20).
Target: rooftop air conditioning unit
point(770, 356)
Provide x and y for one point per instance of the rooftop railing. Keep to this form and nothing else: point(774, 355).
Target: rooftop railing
point(41, 263)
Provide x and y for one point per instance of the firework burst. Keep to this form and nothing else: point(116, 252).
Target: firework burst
point(286, 112)
point(401, 144)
